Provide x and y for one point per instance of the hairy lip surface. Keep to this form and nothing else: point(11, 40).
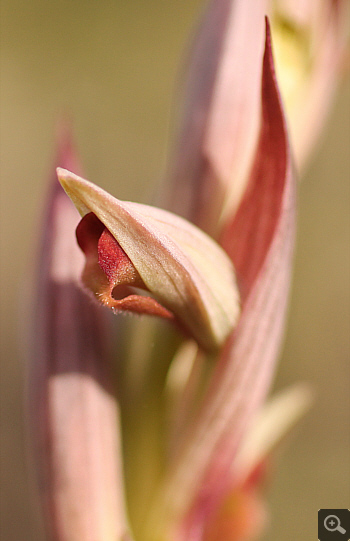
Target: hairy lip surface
point(109, 272)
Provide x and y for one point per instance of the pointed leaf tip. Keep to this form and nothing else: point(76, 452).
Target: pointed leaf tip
point(187, 273)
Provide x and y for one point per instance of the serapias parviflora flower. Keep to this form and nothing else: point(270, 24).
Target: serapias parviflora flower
point(311, 43)
point(232, 175)
point(126, 244)
point(220, 103)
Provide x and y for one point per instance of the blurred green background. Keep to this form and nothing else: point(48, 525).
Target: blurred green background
point(113, 65)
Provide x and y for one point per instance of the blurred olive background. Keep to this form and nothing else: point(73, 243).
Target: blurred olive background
point(112, 65)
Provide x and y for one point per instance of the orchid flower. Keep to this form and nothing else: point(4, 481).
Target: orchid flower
point(311, 41)
point(168, 439)
point(215, 144)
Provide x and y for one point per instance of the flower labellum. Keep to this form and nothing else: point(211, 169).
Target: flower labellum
point(128, 245)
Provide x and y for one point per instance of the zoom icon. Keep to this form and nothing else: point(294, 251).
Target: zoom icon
point(333, 524)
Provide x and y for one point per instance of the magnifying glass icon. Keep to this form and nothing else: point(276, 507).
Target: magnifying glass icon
point(332, 524)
